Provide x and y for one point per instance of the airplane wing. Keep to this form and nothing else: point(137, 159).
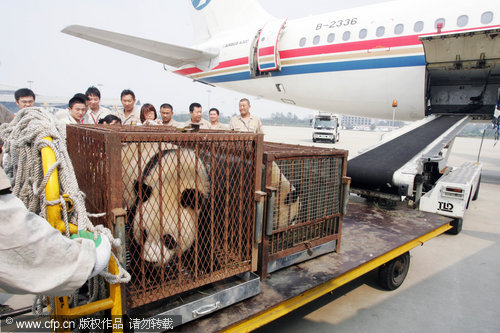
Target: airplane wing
point(169, 54)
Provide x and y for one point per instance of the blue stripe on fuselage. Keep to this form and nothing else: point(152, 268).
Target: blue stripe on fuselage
point(417, 60)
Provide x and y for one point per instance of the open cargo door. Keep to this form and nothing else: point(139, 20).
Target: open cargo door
point(463, 72)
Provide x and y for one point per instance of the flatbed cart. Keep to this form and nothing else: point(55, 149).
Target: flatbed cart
point(372, 238)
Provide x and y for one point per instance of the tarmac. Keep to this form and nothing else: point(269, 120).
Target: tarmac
point(453, 281)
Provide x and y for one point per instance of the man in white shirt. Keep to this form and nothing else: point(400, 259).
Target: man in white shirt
point(75, 113)
point(95, 112)
point(130, 115)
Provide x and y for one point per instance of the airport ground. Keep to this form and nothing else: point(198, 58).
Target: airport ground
point(453, 281)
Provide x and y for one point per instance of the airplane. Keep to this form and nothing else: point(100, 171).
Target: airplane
point(430, 57)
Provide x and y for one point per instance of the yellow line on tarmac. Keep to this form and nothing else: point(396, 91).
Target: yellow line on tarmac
point(296, 302)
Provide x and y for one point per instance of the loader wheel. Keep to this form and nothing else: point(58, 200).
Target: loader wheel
point(392, 274)
point(476, 194)
point(457, 226)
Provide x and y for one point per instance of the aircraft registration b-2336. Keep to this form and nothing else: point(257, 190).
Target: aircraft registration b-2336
point(433, 57)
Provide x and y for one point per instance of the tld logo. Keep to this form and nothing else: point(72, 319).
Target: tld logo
point(445, 206)
point(200, 4)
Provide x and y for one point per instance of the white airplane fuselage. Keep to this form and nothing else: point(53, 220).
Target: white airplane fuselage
point(354, 61)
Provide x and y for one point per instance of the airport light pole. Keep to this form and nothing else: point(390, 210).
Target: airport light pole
point(394, 106)
point(30, 82)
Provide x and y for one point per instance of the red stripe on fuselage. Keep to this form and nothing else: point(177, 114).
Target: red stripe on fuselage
point(266, 51)
point(349, 47)
point(231, 63)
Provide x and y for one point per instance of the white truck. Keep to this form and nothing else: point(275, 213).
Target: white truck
point(325, 127)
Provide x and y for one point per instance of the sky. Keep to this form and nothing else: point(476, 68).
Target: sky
point(32, 48)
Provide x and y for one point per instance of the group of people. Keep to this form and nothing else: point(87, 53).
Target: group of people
point(30, 249)
point(87, 109)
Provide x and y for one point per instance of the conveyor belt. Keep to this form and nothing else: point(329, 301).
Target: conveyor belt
point(374, 169)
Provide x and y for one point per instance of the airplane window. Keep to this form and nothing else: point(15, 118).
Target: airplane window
point(330, 38)
point(398, 29)
point(316, 40)
point(462, 20)
point(302, 41)
point(362, 33)
point(419, 26)
point(380, 31)
point(486, 17)
point(346, 36)
point(438, 21)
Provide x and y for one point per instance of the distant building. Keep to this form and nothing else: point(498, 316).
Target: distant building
point(350, 122)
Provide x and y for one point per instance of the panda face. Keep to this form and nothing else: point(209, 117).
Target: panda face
point(169, 199)
point(287, 201)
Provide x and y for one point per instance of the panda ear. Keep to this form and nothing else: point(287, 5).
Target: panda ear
point(292, 196)
point(188, 198)
point(145, 193)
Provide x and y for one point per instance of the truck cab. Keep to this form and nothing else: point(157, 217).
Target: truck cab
point(325, 127)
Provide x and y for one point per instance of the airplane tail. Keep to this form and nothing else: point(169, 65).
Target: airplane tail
point(211, 17)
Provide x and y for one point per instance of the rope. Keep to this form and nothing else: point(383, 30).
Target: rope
point(23, 139)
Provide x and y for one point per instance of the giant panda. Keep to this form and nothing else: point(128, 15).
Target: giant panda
point(287, 200)
point(165, 203)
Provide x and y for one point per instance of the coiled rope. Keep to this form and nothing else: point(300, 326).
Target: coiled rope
point(23, 139)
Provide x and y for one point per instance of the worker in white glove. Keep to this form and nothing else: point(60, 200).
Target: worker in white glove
point(36, 259)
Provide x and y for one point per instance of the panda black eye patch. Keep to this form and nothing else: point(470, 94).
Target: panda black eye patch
point(291, 197)
point(188, 198)
point(169, 242)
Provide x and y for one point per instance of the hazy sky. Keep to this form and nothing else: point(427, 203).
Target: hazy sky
point(33, 49)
